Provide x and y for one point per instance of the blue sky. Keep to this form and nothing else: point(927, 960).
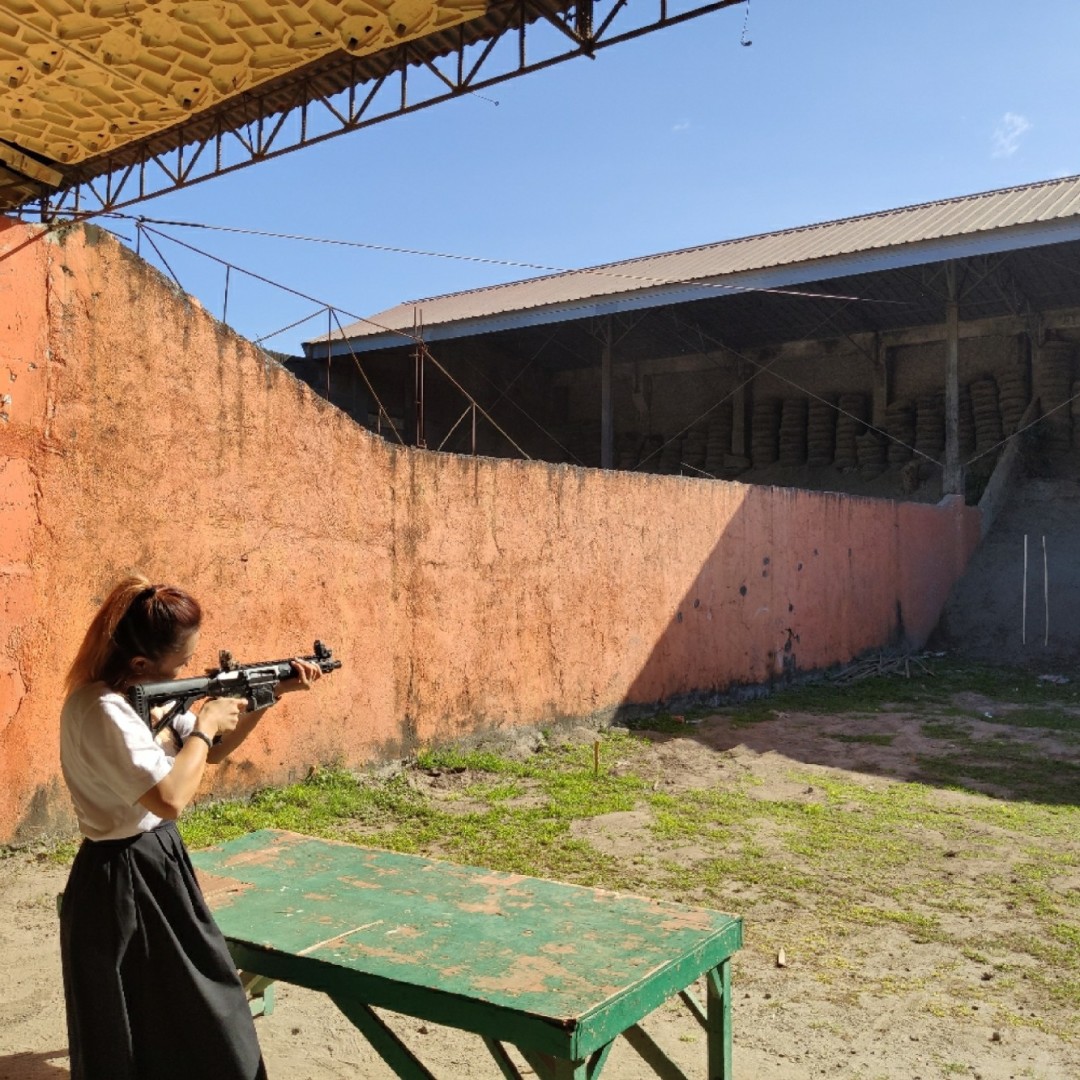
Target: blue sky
point(682, 137)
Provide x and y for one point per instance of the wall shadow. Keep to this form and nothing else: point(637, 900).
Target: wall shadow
point(801, 582)
point(34, 1066)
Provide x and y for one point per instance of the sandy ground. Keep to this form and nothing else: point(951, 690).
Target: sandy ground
point(890, 1008)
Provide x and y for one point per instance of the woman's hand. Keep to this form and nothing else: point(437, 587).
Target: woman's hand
point(306, 674)
point(219, 716)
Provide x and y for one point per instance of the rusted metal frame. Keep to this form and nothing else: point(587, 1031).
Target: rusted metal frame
point(428, 63)
point(468, 409)
point(49, 209)
point(583, 21)
point(120, 183)
point(185, 173)
point(364, 376)
point(484, 54)
point(553, 19)
point(355, 116)
point(247, 144)
point(143, 229)
point(418, 358)
point(504, 392)
point(325, 103)
point(616, 8)
point(476, 405)
point(265, 144)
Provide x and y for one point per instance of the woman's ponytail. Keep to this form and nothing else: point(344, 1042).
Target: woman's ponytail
point(136, 619)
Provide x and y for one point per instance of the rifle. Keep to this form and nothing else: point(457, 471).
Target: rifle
point(253, 682)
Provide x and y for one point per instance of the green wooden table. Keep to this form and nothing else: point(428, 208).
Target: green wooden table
point(558, 971)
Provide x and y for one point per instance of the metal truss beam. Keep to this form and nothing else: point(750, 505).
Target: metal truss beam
point(230, 140)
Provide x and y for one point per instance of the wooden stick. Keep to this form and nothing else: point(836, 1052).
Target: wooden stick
point(596, 757)
point(1046, 597)
point(1023, 617)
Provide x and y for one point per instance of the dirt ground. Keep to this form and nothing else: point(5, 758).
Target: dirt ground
point(880, 1006)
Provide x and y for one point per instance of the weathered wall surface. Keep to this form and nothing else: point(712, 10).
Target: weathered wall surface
point(460, 593)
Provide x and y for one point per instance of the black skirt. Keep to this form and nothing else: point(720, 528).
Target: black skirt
point(150, 988)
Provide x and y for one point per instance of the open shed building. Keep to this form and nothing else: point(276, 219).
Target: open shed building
point(817, 357)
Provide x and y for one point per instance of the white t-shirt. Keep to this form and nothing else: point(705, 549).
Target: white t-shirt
point(110, 760)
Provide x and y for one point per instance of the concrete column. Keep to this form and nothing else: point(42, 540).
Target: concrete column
point(953, 479)
point(607, 405)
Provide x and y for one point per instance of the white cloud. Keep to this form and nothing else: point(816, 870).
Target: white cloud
point(1010, 129)
point(682, 125)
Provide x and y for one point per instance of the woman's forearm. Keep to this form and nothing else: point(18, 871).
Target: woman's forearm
point(168, 797)
point(246, 725)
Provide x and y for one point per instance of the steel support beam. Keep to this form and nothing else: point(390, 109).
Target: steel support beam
point(252, 130)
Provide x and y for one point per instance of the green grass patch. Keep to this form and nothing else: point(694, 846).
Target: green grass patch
point(815, 856)
point(870, 738)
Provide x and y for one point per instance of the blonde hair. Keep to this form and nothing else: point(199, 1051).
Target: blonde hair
point(136, 619)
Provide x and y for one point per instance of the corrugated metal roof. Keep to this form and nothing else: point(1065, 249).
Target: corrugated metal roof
point(1000, 219)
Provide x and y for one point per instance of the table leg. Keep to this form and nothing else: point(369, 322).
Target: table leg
point(548, 1067)
point(260, 993)
point(718, 1006)
point(389, 1047)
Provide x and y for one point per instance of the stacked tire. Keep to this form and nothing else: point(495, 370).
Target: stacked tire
point(871, 454)
point(764, 432)
point(1055, 379)
point(793, 417)
point(820, 431)
point(718, 443)
point(965, 424)
point(1013, 398)
point(987, 413)
point(693, 450)
point(670, 457)
point(850, 424)
point(900, 424)
point(930, 425)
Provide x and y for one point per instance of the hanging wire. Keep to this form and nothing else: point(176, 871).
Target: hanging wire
point(761, 370)
point(744, 40)
point(270, 281)
point(363, 375)
point(291, 326)
point(165, 262)
point(143, 225)
point(597, 271)
point(483, 412)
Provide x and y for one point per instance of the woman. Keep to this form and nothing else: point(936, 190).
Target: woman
point(151, 991)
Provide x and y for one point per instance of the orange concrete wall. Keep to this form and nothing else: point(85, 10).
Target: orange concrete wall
point(461, 593)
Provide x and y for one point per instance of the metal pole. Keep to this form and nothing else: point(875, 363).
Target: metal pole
point(1046, 597)
point(420, 441)
point(1023, 616)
